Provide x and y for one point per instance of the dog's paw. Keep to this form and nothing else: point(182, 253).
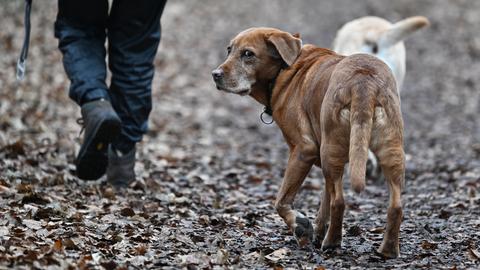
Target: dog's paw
point(388, 252)
point(317, 242)
point(303, 231)
point(331, 242)
point(331, 246)
point(320, 232)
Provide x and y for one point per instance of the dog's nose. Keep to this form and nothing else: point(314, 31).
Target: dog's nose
point(217, 74)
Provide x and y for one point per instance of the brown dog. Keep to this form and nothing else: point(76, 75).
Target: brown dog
point(331, 110)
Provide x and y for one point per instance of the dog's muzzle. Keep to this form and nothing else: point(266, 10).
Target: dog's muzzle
point(218, 75)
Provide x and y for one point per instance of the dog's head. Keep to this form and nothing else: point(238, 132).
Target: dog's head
point(255, 56)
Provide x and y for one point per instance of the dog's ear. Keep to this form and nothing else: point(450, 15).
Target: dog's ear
point(287, 45)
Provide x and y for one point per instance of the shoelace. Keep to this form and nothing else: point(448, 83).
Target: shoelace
point(81, 122)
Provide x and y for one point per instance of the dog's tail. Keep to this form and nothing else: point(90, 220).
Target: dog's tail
point(401, 30)
point(361, 120)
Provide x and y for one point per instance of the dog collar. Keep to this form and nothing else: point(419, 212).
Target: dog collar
point(268, 107)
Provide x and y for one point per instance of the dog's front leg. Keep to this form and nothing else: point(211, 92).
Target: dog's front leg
point(299, 164)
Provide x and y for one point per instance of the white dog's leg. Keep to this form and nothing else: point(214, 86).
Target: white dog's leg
point(373, 168)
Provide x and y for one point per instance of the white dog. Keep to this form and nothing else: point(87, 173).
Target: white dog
point(377, 36)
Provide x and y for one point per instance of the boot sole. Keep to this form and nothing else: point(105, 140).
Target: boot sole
point(92, 159)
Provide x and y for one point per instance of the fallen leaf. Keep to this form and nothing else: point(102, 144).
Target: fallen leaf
point(24, 188)
point(127, 212)
point(141, 250)
point(377, 230)
point(15, 149)
point(354, 230)
point(429, 245)
point(445, 214)
point(109, 193)
point(221, 257)
point(277, 255)
point(96, 257)
point(30, 256)
point(3, 231)
point(46, 213)
point(110, 265)
point(32, 224)
point(474, 254)
point(69, 244)
point(57, 245)
point(34, 198)
point(255, 179)
point(4, 190)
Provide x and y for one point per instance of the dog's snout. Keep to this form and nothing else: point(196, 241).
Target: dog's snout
point(217, 74)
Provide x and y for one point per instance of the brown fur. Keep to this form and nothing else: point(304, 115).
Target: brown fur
point(331, 110)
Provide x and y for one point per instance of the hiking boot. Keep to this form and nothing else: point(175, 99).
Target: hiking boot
point(121, 167)
point(102, 125)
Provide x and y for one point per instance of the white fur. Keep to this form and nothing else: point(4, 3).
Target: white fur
point(345, 115)
point(361, 35)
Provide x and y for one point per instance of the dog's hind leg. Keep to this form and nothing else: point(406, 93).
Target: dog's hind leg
point(334, 186)
point(392, 161)
point(333, 162)
point(323, 216)
point(299, 164)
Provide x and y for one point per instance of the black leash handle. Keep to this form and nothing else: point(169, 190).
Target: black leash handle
point(22, 60)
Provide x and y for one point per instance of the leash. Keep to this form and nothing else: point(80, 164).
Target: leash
point(22, 60)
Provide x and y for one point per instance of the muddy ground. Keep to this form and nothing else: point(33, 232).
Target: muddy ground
point(209, 170)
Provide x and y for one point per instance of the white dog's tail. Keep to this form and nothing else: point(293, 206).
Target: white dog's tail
point(402, 30)
point(361, 120)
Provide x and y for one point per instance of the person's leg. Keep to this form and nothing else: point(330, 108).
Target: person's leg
point(81, 28)
point(134, 36)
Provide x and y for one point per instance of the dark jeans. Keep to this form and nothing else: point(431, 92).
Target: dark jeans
point(133, 32)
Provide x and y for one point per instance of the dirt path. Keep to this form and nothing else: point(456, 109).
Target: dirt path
point(209, 170)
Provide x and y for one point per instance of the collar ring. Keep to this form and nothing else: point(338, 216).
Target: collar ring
point(264, 119)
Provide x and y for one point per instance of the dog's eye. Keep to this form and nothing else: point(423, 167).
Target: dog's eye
point(372, 45)
point(229, 50)
point(248, 53)
point(375, 48)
